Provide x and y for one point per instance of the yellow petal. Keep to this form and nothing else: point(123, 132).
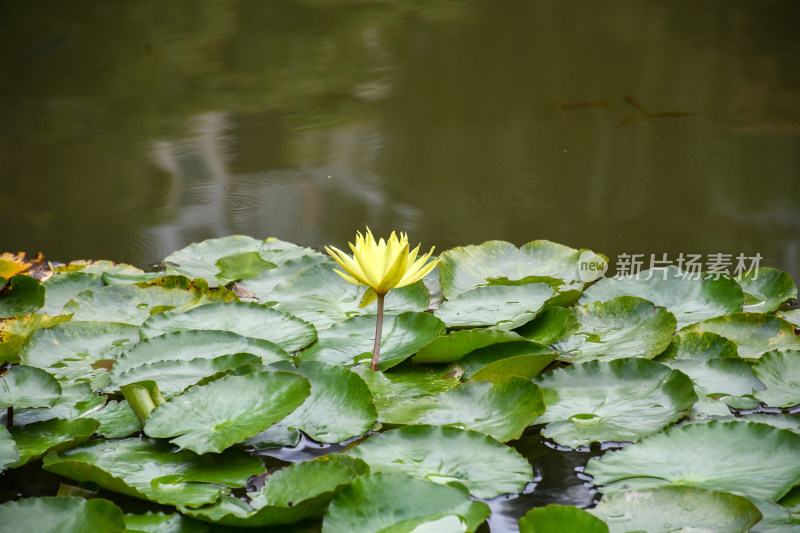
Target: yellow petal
point(395, 273)
point(348, 278)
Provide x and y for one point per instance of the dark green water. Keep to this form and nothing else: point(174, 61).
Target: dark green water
point(130, 129)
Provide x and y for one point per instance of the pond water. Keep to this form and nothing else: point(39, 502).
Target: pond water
point(131, 129)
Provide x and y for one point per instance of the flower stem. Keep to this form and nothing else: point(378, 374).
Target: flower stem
point(376, 349)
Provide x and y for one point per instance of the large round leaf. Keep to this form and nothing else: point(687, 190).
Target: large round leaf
point(620, 400)
point(340, 405)
point(379, 501)
point(776, 519)
point(76, 400)
point(406, 383)
point(625, 326)
point(698, 346)
point(21, 296)
point(676, 509)
point(127, 304)
point(62, 514)
point(688, 297)
point(288, 495)
point(188, 345)
point(502, 410)
point(754, 333)
point(791, 315)
point(559, 519)
point(350, 342)
point(34, 440)
point(246, 319)
point(518, 358)
point(91, 341)
point(319, 295)
point(778, 370)
point(504, 307)
point(15, 332)
point(27, 386)
point(152, 469)
point(158, 522)
point(117, 420)
point(213, 417)
point(62, 288)
point(8, 449)
point(457, 344)
point(755, 460)
point(499, 262)
point(447, 455)
point(766, 289)
point(261, 286)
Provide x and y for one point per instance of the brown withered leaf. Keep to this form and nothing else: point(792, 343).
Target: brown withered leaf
point(21, 263)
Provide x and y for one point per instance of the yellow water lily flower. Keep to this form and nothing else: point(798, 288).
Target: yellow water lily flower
point(382, 265)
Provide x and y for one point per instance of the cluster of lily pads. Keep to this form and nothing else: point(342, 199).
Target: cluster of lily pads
point(174, 386)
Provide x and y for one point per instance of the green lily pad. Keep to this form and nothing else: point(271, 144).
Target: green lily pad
point(9, 454)
point(753, 333)
point(778, 371)
point(62, 288)
point(98, 267)
point(456, 344)
point(548, 326)
point(447, 455)
point(766, 289)
point(390, 502)
point(163, 523)
point(170, 477)
point(62, 514)
point(189, 345)
point(688, 297)
point(340, 405)
point(173, 376)
point(504, 307)
point(213, 417)
point(117, 420)
point(625, 326)
point(246, 319)
point(502, 410)
point(128, 304)
point(560, 518)
point(27, 386)
point(776, 518)
point(792, 316)
point(620, 400)
point(318, 295)
point(22, 295)
point(676, 509)
point(465, 268)
point(518, 358)
point(243, 265)
point(405, 383)
point(276, 436)
point(350, 342)
point(15, 332)
point(69, 341)
point(288, 495)
point(34, 440)
point(699, 346)
point(266, 280)
point(76, 400)
point(730, 380)
point(755, 460)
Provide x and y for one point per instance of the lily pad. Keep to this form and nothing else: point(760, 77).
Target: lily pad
point(62, 288)
point(456, 344)
point(117, 420)
point(243, 265)
point(405, 383)
point(465, 268)
point(502, 410)
point(62, 514)
point(173, 376)
point(128, 304)
point(246, 319)
point(276, 436)
point(504, 307)
point(34, 440)
point(689, 298)
point(518, 358)
point(266, 280)
point(189, 345)
point(213, 417)
point(22, 295)
point(170, 477)
point(288, 495)
point(778, 370)
point(340, 405)
point(699, 346)
point(350, 342)
point(320, 296)
point(377, 502)
point(776, 519)
point(8, 449)
point(560, 518)
point(163, 523)
point(447, 455)
point(730, 380)
point(69, 341)
point(766, 289)
point(27, 386)
point(620, 400)
point(15, 332)
point(98, 267)
point(625, 326)
point(548, 326)
point(754, 333)
point(676, 509)
point(755, 460)
point(76, 400)
point(792, 316)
